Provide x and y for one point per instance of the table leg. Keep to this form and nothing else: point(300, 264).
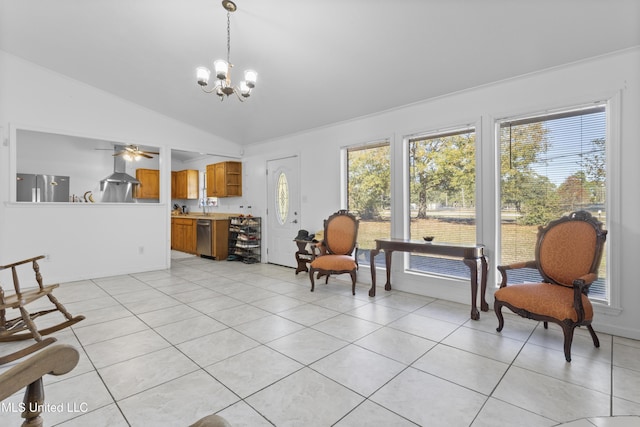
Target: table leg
point(372, 263)
point(387, 262)
point(302, 262)
point(483, 284)
point(473, 266)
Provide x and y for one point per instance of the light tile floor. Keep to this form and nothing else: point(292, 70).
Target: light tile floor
point(252, 343)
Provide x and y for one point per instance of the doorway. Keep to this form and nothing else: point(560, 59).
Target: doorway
point(283, 214)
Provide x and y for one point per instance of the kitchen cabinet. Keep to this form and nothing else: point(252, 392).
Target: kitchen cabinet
point(149, 187)
point(224, 179)
point(174, 184)
point(183, 235)
point(220, 239)
point(184, 184)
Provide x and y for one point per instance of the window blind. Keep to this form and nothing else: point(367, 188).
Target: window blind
point(551, 165)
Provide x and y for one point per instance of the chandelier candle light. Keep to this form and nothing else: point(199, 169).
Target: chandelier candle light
point(222, 85)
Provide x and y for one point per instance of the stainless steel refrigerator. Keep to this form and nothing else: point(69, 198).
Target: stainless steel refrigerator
point(42, 188)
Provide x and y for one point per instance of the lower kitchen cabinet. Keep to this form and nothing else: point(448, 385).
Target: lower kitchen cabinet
point(220, 238)
point(183, 235)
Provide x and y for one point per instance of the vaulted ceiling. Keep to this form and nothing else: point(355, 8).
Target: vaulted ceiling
point(319, 61)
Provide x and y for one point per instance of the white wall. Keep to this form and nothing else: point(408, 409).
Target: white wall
point(92, 241)
point(84, 240)
point(616, 77)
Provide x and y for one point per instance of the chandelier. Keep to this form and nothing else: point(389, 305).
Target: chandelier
point(222, 85)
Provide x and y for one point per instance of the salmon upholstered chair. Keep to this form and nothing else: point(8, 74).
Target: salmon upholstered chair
point(568, 253)
point(338, 249)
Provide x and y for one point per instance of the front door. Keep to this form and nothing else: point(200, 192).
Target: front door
point(283, 215)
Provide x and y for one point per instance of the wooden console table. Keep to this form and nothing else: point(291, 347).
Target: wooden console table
point(470, 255)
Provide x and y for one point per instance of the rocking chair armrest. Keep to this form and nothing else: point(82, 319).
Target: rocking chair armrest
point(517, 265)
point(54, 360)
point(24, 261)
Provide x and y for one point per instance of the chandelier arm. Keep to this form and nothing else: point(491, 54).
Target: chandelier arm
point(204, 89)
point(237, 94)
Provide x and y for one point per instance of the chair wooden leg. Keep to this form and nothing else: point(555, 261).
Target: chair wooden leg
point(59, 306)
point(313, 283)
point(353, 282)
point(546, 325)
point(497, 307)
point(26, 318)
point(596, 341)
point(33, 401)
point(568, 339)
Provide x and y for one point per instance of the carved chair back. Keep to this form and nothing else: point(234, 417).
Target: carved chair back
point(570, 247)
point(340, 233)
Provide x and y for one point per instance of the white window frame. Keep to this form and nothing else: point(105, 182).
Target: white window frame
point(613, 185)
point(406, 190)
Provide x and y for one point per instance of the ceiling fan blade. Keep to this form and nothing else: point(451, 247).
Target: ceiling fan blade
point(143, 154)
point(120, 153)
point(151, 152)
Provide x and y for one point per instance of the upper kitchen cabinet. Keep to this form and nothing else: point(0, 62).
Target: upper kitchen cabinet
point(184, 184)
point(224, 179)
point(149, 187)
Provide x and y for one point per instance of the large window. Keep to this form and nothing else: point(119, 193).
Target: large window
point(551, 165)
point(442, 184)
point(369, 194)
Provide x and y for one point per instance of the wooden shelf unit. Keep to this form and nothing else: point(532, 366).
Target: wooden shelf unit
point(224, 179)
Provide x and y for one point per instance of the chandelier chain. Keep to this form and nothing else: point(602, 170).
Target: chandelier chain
point(229, 37)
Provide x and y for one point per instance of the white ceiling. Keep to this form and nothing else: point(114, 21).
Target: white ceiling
point(319, 61)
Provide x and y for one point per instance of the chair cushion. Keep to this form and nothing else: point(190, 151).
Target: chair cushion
point(334, 262)
point(545, 299)
point(567, 251)
point(340, 235)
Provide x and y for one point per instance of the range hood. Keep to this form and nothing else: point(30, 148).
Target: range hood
point(118, 187)
point(119, 175)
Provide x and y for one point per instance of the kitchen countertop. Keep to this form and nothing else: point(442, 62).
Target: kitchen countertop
point(200, 215)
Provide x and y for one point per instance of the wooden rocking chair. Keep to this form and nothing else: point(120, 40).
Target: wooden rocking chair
point(23, 327)
point(55, 360)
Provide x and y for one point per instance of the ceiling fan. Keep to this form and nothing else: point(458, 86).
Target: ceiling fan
point(133, 152)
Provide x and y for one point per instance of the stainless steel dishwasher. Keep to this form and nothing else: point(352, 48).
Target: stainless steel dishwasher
point(203, 234)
